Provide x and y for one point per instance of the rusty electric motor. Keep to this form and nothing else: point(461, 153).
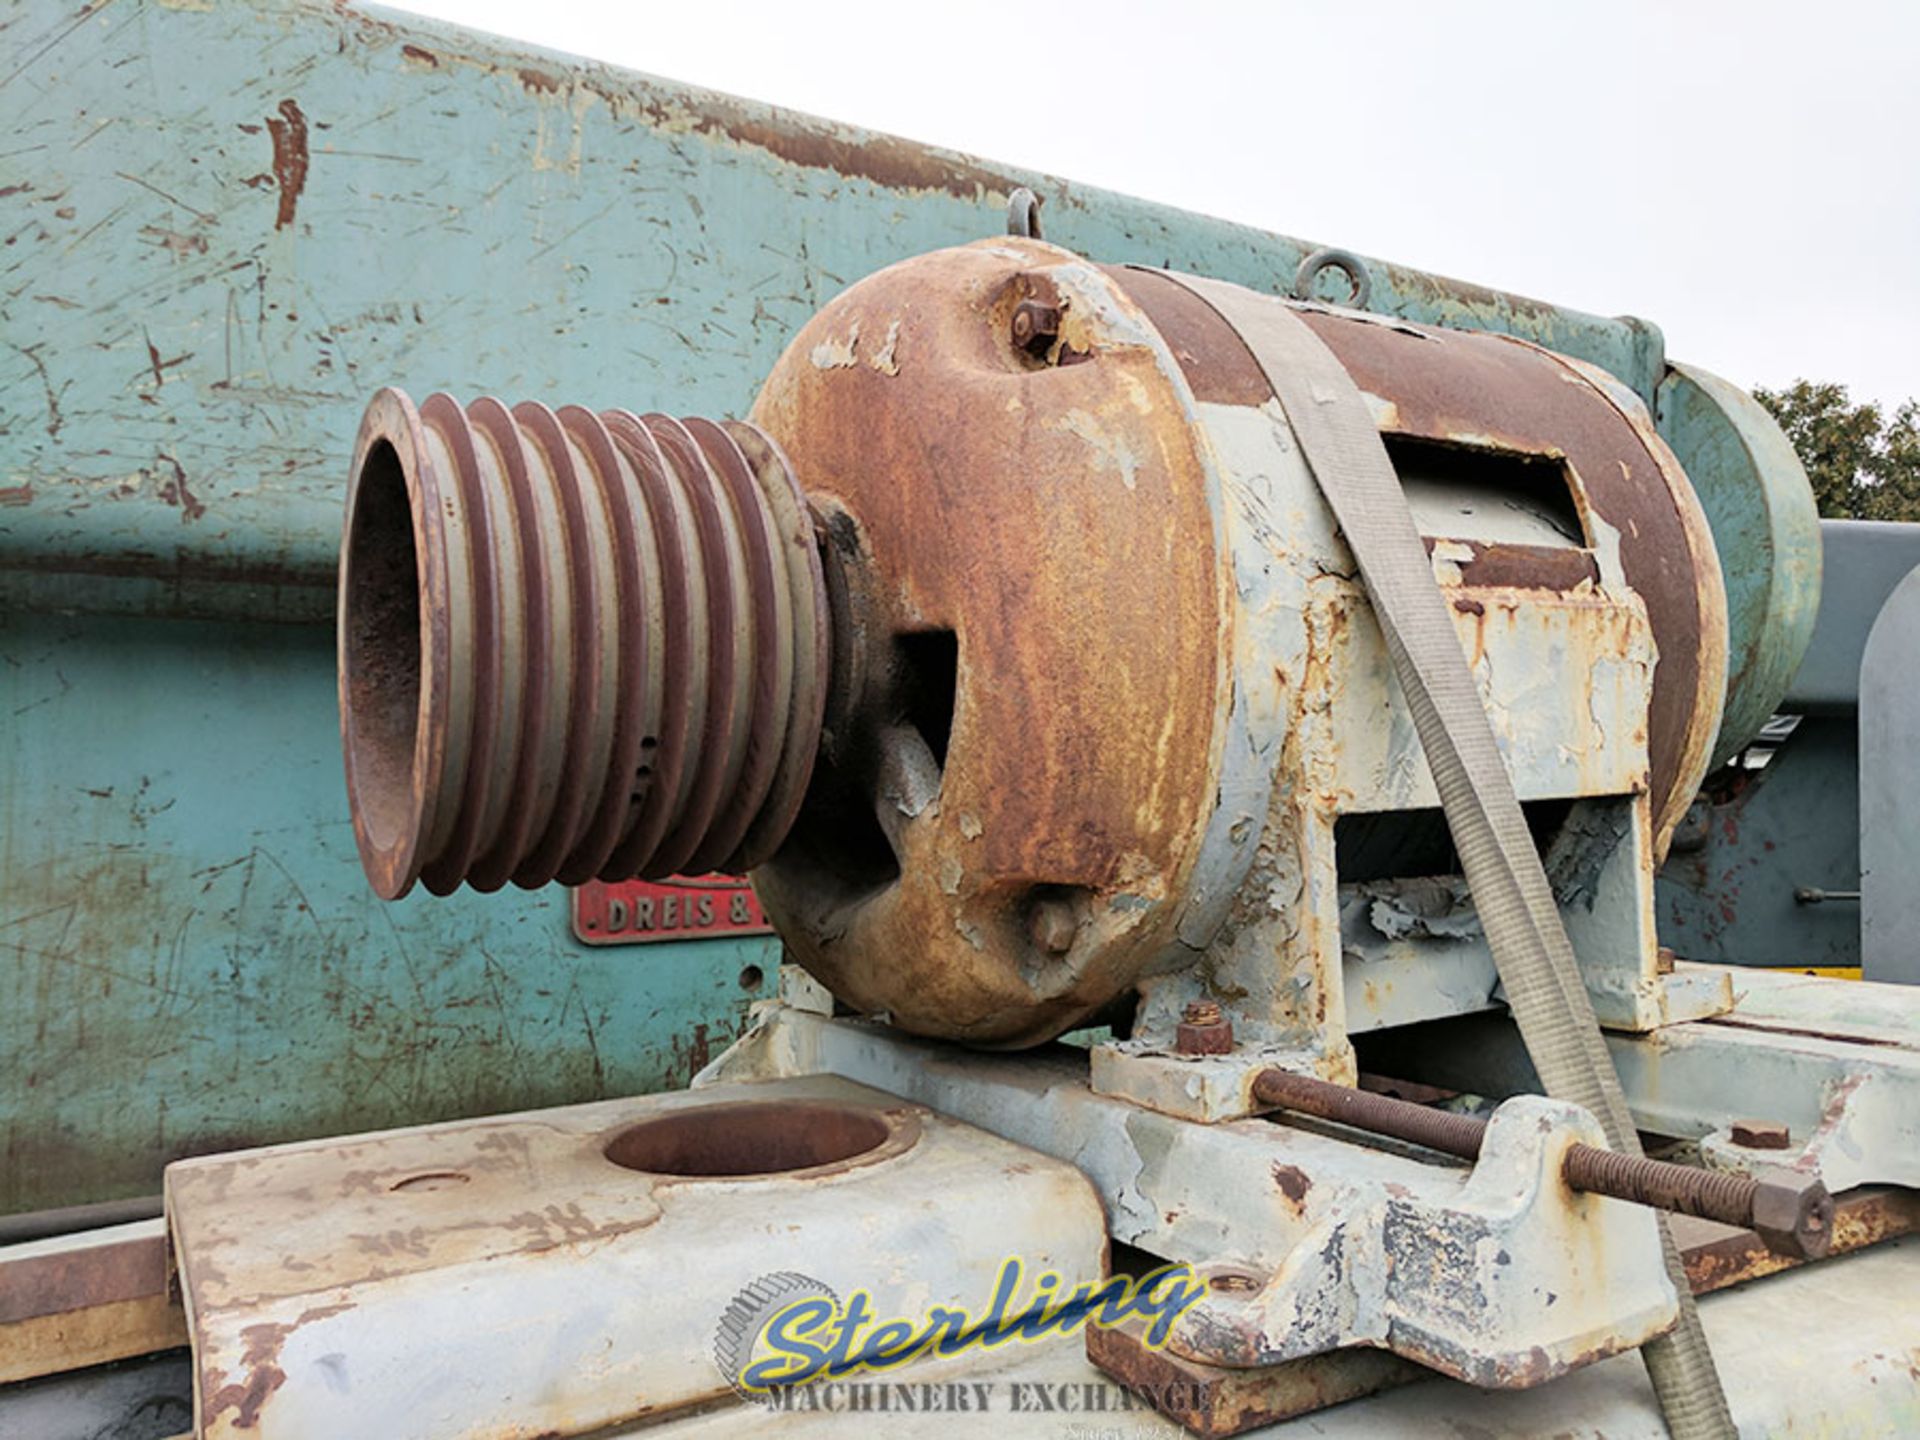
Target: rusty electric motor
point(1009, 644)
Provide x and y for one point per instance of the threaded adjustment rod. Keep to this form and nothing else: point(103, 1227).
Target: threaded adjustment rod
point(1792, 1213)
point(573, 646)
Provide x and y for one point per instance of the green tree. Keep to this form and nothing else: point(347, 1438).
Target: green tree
point(1863, 464)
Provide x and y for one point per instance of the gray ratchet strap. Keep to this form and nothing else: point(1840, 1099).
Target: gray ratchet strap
point(1337, 435)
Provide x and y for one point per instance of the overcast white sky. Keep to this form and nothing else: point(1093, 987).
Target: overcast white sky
point(1742, 174)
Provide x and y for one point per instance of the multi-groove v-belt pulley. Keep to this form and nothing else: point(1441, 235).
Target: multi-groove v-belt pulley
point(622, 645)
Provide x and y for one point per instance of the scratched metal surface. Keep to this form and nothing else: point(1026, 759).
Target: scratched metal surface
point(1725, 895)
point(225, 224)
point(190, 959)
point(221, 226)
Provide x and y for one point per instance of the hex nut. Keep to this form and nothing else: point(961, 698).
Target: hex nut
point(1034, 327)
point(1203, 1030)
point(1793, 1213)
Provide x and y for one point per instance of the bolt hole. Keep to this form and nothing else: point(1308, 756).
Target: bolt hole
point(751, 978)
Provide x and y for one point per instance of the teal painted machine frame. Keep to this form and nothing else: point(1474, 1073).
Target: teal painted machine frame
point(224, 225)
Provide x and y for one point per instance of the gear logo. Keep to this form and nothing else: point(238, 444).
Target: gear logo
point(746, 1318)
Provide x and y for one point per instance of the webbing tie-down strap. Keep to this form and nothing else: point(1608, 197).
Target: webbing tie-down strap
point(1342, 446)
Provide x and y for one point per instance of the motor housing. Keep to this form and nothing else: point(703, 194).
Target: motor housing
point(1100, 704)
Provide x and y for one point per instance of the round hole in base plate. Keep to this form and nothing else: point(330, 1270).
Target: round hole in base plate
point(775, 1137)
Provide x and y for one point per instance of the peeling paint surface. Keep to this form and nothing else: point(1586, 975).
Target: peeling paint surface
point(200, 283)
point(190, 957)
point(367, 197)
point(323, 1282)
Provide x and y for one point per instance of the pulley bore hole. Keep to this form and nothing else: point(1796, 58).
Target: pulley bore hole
point(771, 1138)
point(382, 633)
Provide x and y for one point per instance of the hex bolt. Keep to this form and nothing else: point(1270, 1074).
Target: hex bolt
point(1761, 1135)
point(1053, 925)
point(1203, 1030)
point(1791, 1212)
point(1035, 327)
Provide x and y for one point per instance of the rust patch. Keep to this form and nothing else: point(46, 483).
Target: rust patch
point(1293, 1183)
point(17, 495)
point(882, 159)
point(264, 1375)
point(289, 134)
point(1717, 1255)
point(178, 243)
point(1048, 489)
point(196, 567)
point(1477, 299)
point(65, 1281)
point(699, 1051)
point(891, 164)
point(1494, 392)
point(1507, 393)
point(175, 492)
point(1778, 1027)
point(1215, 1401)
point(420, 56)
point(1495, 565)
point(1211, 357)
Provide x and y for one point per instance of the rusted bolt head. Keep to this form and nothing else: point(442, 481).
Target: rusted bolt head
point(1201, 1012)
point(1053, 925)
point(1035, 326)
point(1761, 1135)
point(1793, 1214)
point(1663, 960)
point(1203, 1030)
